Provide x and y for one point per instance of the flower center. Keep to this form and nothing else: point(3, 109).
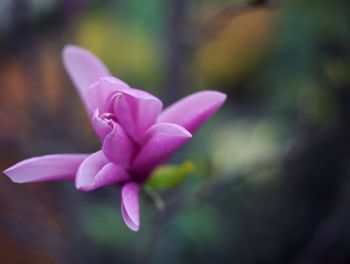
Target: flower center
point(109, 118)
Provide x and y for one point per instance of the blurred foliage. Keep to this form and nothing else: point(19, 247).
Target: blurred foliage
point(273, 165)
point(243, 144)
point(127, 37)
point(135, 55)
point(238, 46)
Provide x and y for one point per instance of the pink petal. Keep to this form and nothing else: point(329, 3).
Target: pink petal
point(83, 67)
point(118, 147)
point(136, 111)
point(159, 142)
point(46, 168)
point(96, 171)
point(193, 110)
point(99, 93)
point(130, 206)
point(102, 125)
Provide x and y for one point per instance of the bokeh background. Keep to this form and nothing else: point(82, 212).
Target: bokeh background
point(272, 177)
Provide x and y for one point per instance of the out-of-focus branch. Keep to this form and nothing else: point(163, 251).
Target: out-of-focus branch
point(177, 54)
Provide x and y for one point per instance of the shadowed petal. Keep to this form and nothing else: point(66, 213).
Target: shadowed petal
point(130, 206)
point(193, 110)
point(159, 142)
point(136, 111)
point(46, 168)
point(96, 171)
point(118, 147)
point(83, 67)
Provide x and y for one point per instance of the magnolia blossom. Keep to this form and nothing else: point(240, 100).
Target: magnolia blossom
point(136, 134)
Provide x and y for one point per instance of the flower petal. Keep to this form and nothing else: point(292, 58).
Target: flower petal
point(102, 126)
point(99, 93)
point(136, 111)
point(46, 168)
point(83, 67)
point(193, 110)
point(118, 147)
point(96, 171)
point(130, 206)
point(159, 142)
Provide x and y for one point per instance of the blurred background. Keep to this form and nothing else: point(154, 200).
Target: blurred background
point(272, 170)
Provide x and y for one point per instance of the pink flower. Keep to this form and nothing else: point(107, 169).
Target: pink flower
point(136, 134)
